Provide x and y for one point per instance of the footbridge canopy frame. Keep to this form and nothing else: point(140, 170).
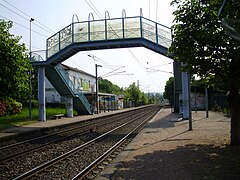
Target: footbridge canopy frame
point(107, 33)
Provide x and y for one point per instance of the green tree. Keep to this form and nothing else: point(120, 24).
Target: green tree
point(200, 42)
point(154, 98)
point(107, 86)
point(134, 92)
point(169, 90)
point(158, 98)
point(14, 65)
point(143, 99)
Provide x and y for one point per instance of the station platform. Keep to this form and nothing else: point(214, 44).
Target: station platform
point(56, 122)
point(166, 149)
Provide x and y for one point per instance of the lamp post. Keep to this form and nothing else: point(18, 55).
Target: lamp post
point(30, 72)
point(96, 98)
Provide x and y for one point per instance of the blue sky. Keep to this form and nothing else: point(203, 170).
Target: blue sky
point(56, 14)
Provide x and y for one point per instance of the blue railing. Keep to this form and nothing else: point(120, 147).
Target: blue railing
point(109, 29)
point(59, 68)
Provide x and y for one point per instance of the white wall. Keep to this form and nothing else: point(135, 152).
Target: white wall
point(80, 80)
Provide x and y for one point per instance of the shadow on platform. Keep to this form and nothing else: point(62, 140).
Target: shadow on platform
point(186, 162)
point(167, 121)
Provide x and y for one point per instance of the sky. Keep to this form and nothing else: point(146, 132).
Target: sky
point(50, 16)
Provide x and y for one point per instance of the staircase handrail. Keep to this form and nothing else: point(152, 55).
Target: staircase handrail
point(67, 35)
point(59, 68)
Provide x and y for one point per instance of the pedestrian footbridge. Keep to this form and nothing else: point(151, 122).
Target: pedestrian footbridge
point(124, 32)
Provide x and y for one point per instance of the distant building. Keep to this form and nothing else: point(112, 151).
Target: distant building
point(85, 83)
point(110, 101)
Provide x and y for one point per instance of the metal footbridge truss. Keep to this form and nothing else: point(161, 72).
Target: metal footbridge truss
point(108, 33)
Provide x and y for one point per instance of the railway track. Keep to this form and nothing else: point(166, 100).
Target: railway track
point(87, 144)
point(93, 169)
point(38, 134)
point(15, 150)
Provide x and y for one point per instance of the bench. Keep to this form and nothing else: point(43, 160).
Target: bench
point(58, 116)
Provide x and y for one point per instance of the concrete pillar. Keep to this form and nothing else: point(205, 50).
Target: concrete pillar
point(69, 105)
point(177, 85)
point(185, 95)
point(41, 94)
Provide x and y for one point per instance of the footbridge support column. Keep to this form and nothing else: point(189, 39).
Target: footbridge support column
point(41, 93)
point(69, 105)
point(185, 95)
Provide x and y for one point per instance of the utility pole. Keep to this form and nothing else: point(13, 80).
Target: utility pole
point(96, 98)
point(195, 98)
point(189, 96)
point(30, 72)
point(206, 101)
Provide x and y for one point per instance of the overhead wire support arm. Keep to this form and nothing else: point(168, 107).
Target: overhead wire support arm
point(114, 71)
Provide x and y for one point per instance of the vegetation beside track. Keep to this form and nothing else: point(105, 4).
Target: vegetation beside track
point(22, 118)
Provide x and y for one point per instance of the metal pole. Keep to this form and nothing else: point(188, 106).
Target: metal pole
point(206, 102)
point(41, 94)
point(96, 97)
point(195, 92)
point(30, 72)
point(189, 98)
point(104, 104)
point(185, 94)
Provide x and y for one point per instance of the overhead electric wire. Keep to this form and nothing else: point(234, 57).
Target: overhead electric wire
point(23, 26)
point(95, 58)
point(157, 70)
point(14, 12)
point(93, 7)
point(161, 65)
point(114, 71)
point(99, 15)
point(46, 28)
point(107, 65)
point(25, 17)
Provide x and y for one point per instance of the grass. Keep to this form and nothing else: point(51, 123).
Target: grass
point(22, 118)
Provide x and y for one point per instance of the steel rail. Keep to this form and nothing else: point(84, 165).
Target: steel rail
point(22, 153)
point(89, 168)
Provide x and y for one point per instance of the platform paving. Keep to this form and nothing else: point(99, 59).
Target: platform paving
point(165, 149)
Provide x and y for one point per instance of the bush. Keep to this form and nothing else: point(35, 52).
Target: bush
point(9, 106)
point(17, 107)
point(34, 103)
point(3, 108)
point(217, 108)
